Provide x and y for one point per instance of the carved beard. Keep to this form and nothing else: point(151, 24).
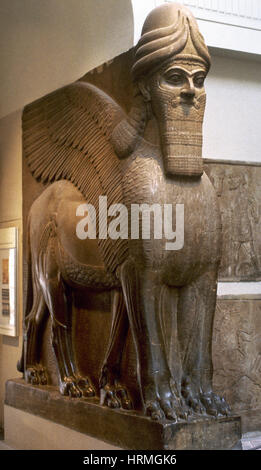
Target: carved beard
point(180, 128)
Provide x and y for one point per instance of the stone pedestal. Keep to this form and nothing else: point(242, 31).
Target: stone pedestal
point(122, 429)
point(25, 431)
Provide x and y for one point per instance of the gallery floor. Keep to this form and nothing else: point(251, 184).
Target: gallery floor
point(250, 441)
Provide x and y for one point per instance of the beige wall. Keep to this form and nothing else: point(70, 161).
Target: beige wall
point(233, 115)
point(47, 44)
point(10, 215)
point(10, 168)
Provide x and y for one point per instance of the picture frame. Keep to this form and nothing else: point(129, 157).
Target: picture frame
point(8, 281)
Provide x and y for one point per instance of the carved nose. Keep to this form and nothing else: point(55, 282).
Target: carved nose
point(188, 92)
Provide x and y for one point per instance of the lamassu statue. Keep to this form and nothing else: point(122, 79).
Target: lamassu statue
point(82, 142)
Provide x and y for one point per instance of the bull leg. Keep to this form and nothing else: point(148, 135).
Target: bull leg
point(168, 314)
point(141, 292)
point(59, 302)
point(196, 311)
point(34, 372)
point(113, 394)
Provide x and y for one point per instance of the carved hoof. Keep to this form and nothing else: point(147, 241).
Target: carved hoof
point(115, 396)
point(208, 403)
point(36, 375)
point(69, 387)
point(85, 386)
point(163, 401)
point(154, 410)
point(185, 412)
point(223, 406)
point(174, 410)
point(192, 401)
point(125, 401)
point(108, 398)
point(42, 375)
point(31, 376)
point(215, 405)
point(195, 405)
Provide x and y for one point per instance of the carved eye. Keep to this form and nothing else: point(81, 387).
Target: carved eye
point(174, 78)
point(199, 81)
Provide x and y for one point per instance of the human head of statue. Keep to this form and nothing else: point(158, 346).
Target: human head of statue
point(170, 66)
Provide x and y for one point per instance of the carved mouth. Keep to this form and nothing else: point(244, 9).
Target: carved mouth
point(186, 104)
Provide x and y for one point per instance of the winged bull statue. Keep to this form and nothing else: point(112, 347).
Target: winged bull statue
point(84, 145)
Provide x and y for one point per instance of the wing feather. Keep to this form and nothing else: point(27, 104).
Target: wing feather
point(66, 135)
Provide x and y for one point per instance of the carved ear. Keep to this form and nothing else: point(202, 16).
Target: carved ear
point(145, 90)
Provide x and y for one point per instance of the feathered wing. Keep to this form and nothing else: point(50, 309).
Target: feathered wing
point(66, 135)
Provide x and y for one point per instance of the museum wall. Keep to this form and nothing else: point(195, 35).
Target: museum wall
point(46, 48)
point(232, 119)
point(11, 215)
point(45, 45)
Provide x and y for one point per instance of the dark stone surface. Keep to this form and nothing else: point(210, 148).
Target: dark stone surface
point(113, 426)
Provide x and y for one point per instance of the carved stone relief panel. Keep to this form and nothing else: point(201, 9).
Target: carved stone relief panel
point(238, 187)
point(237, 357)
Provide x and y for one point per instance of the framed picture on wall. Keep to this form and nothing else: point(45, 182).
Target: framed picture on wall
point(8, 281)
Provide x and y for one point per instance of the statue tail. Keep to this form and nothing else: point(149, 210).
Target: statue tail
point(29, 297)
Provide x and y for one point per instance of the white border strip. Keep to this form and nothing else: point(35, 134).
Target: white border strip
point(239, 288)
